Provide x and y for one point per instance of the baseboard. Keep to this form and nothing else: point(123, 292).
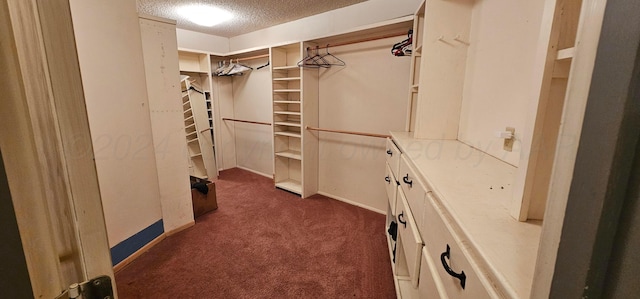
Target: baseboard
point(351, 202)
point(256, 172)
point(138, 253)
point(181, 228)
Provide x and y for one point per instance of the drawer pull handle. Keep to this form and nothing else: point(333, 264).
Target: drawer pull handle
point(406, 180)
point(461, 276)
point(390, 153)
point(400, 216)
point(387, 179)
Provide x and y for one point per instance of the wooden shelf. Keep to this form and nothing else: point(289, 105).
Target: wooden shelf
point(565, 53)
point(287, 112)
point(290, 185)
point(286, 90)
point(291, 154)
point(192, 140)
point(287, 93)
point(285, 68)
point(287, 102)
point(287, 123)
point(288, 134)
point(195, 72)
point(196, 155)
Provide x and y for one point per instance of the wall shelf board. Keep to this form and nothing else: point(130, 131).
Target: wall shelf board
point(286, 112)
point(288, 123)
point(286, 68)
point(290, 154)
point(290, 185)
point(286, 102)
point(566, 53)
point(288, 134)
point(286, 90)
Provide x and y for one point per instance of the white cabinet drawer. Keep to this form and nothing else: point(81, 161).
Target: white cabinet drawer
point(458, 278)
point(409, 237)
point(413, 190)
point(391, 185)
point(393, 156)
point(430, 284)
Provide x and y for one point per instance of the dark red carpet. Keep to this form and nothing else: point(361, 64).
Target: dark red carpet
point(262, 242)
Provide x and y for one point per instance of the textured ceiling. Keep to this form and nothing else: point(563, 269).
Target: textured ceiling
point(250, 15)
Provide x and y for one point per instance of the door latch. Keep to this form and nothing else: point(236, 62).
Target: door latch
point(96, 288)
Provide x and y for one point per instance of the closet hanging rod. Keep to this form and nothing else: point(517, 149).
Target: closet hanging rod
point(348, 132)
point(247, 121)
point(366, 40)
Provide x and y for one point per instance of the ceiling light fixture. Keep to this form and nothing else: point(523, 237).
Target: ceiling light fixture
point(204, 15)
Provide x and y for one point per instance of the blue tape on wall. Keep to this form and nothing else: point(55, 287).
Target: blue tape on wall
point(127, 247)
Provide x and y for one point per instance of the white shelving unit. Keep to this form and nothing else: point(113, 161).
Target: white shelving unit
point(195, 68)
point(295, 106)
point(197, 166)
point(466, 84)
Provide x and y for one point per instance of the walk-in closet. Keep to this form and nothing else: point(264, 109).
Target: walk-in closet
point(320, 149)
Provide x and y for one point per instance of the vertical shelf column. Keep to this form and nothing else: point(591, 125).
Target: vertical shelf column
point(197, 66)
point(194, 151)
point(444, 42)
point(310, 117)
point(287, 117)
point(295, 105)
point(414, 75)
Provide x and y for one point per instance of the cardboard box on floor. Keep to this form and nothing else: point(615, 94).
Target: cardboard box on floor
point(204, 203)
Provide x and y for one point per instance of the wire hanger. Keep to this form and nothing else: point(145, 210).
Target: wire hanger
point(338, 62)
point(313, 61)
point(231, 68)
point(263, 66)
point(404, 47)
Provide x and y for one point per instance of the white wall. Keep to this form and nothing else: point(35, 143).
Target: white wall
point(370, 95)
point(252, 101)
point(203, 42)
point(160, 50)
point(499, 72)
point(328, 23)
point(110, 55)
